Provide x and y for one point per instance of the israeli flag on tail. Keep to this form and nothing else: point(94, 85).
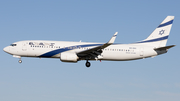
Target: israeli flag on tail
point(159, 36)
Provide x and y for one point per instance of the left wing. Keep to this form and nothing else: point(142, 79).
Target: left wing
point(94, 52)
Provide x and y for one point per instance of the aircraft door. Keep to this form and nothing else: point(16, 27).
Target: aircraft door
point(141, 51)
point(24, 47)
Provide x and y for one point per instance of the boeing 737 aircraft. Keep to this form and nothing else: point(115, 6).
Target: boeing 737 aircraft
point(152, 46)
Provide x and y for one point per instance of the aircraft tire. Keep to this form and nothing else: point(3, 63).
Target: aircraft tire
point(88, 64)
point(20, 61)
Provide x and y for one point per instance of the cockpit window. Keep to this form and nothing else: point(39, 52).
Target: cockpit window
point(13, 45)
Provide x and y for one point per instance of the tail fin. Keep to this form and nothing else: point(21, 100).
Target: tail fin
point(159, 36)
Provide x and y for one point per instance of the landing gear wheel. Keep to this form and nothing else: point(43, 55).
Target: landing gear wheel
point(20, 61)
point(88, 64)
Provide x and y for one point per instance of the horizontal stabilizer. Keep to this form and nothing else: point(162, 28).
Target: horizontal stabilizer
point(164, 48)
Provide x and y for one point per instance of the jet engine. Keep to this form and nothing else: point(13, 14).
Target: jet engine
point(68, 57)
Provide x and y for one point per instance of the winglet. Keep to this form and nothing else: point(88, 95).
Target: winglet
point(111, 41)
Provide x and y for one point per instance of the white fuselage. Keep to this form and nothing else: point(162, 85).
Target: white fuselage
point(53, 49)
point(153, 45)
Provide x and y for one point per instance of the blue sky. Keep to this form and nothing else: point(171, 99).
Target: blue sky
point(36, 79)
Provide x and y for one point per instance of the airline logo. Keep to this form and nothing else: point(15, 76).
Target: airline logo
point(41, 43)
point(161, 32)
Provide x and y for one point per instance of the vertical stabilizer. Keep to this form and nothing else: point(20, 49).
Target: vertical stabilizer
point(159, 36)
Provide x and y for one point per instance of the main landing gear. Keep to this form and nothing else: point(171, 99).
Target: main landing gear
point(88, 64)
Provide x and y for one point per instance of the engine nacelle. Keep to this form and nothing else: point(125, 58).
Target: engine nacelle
point(68, 57)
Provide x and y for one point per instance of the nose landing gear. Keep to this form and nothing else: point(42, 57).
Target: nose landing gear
point(20, 61)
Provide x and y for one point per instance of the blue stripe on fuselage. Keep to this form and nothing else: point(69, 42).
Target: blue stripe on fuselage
point(153, 40)
point(57, 51)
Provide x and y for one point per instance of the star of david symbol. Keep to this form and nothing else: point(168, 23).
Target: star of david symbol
point(161, 32)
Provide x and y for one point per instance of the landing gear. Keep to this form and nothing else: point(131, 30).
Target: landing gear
point(88, 64)
point(20, 61)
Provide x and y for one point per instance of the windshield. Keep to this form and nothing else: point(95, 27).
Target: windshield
point(13, 45)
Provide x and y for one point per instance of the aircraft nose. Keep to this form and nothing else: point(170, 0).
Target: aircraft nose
point(6, 49)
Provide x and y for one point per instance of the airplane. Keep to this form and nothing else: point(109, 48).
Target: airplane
point(153, 45)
